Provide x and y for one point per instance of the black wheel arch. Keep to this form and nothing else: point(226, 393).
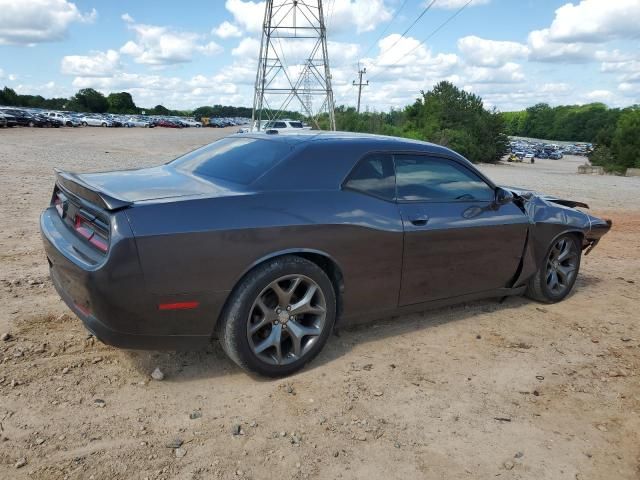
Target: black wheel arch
point(322, 259)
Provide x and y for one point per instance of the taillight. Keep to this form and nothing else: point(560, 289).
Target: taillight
point(58, 201)
point(92, 230)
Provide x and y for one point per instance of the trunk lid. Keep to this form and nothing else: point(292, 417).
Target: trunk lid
point(122, 188)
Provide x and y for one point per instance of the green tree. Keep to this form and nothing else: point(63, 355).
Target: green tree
point(8, 97)
point(121, 102)
point(626, 140)
point(89, 100)
point(160, 110)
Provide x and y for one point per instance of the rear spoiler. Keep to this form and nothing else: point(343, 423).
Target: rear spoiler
point(75, 185)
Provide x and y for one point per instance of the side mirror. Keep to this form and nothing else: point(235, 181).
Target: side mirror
point(503, 196)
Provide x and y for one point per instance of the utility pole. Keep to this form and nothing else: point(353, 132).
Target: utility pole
point(360, 85)
point(300, 26)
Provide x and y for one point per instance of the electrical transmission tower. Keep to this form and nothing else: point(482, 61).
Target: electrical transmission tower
point(360, 85)
point(296, 27)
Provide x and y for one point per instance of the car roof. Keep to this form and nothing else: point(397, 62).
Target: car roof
point(322, 159)
point(365, 141)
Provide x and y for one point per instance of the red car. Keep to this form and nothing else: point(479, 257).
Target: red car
point(167, 124)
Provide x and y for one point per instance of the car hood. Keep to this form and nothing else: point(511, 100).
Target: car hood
point(155, 183)
point(528, 194)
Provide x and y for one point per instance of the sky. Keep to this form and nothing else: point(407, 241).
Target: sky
point(513, 53)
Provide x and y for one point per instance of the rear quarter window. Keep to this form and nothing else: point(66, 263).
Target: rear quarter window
point(374, 175)
point(236, 160)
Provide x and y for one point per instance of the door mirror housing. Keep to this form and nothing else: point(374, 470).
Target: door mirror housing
point(503, 196)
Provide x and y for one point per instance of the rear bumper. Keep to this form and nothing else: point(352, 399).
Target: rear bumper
point(108, 335)
point(110, 297)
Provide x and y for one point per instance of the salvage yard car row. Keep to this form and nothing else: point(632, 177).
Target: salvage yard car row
point(12, 117)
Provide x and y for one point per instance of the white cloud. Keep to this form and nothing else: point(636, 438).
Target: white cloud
point(37, 21)
point(249, 15)
point(340, 15)
point(247, 48)
point(599, 95)
point(127, 18)
point(507, 73)
point(156, 45)
point(555, 88)
point(451, 4)
point(596, 21)
point(170, 91)
point(543, 48)
point(227, 30)
point(364, 15)
point(99, 64)
point(490, 53)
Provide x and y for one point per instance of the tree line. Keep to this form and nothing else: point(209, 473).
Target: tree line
point(445, 115)
point(93, 101)
point(614, 131)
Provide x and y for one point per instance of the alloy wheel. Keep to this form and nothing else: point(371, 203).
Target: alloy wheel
point(562, 264)
point(286, 319)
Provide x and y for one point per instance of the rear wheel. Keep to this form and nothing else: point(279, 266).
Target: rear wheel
point(557, 272)
point(84, 124)
point(279, 317)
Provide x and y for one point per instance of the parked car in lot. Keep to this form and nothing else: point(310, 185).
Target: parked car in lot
point(66, 119)
point(8, 120)
point(308, 229)
point(555, 156)
point(284, 125)
point(3, 121)
point(191, 122)
point(140, 122)
point(163, 122)
point(96, 121)
point(254, 128)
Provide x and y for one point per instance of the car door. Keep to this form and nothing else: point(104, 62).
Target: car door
point(457, 239)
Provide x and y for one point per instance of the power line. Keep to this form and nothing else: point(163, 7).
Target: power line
point(386, 28)
point(427, 8)
point(440, 27)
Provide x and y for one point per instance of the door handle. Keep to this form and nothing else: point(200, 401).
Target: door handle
point(419, 221)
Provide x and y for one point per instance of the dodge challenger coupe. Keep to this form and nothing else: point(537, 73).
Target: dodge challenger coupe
point(265, 240)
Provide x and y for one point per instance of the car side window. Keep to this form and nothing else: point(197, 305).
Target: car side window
point(374, 175)
point(426, 178)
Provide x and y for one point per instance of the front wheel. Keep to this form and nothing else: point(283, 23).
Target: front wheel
point(279, 317)
point(558, 271)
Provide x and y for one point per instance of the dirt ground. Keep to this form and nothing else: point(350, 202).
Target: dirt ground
point(516, 390)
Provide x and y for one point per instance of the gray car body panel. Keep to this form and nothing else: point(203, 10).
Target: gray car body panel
point(181, 237)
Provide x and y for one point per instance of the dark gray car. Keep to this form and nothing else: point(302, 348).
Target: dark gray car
point(265, 241)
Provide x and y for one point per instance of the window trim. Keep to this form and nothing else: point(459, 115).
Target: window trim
point(422, 153)
point(445, 159)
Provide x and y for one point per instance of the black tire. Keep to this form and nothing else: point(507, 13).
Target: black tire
point(538, 288)
point(103, 125)
point(233, 325)
point(84, 124)
point(32, 124)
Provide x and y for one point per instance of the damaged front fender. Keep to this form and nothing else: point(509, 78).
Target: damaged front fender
point(551, 217)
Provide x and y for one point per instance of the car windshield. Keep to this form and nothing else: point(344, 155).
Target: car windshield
point(237, 160)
